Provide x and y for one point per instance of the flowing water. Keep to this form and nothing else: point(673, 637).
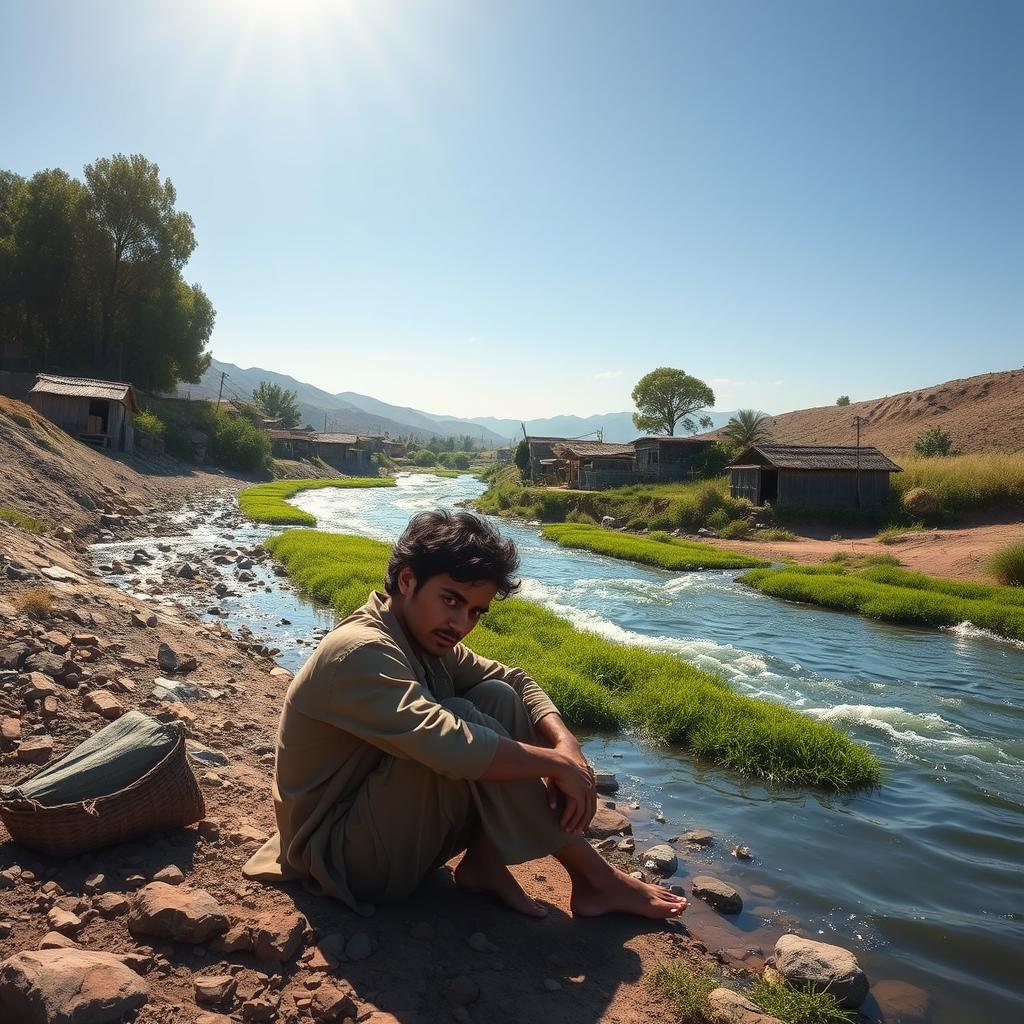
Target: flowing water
point(920, 878)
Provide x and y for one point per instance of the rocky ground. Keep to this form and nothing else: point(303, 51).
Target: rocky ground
point(166, 927)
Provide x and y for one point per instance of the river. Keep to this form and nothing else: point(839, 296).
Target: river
point(921, 877)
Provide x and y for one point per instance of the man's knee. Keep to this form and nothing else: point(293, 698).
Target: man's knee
point(500, 701)
point(471, 712)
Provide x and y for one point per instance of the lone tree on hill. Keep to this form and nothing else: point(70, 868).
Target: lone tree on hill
point(931, 442)
point(277, 403)
point(666, 397)
point(843, 400)
point(747, 427)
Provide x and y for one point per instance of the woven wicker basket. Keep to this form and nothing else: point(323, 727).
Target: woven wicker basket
point(166, 797)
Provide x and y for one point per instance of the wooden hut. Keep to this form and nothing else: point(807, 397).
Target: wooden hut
point(346, 452)
point(595, 466)
point(669, 458)
point(812, 476)
point(545, 467)
point(98, 412)
point(292, 444)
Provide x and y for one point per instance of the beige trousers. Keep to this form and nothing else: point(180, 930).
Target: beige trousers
point(408, 820)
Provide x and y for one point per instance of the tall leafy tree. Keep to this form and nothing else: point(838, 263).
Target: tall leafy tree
point(277, 403)
point(140, 240)
point(747, 427)
point(666, 397)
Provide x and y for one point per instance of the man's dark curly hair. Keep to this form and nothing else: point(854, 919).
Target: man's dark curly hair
point(459, 543)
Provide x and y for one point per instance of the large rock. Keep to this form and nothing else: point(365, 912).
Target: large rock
point(606, 823)
point(103, 703)
point(53, 665)
point(176, 912)
point(68, 986)
point(728, 1007)
point(12, 656)
point(720, 895)
point(277, 937)
point(806, 962)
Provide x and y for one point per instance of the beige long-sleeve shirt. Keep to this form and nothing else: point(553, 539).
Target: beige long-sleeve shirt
point(361, 696)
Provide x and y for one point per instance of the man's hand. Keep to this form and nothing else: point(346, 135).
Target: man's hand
point(574, 781)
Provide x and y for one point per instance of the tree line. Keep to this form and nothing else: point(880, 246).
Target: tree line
point(91, 276)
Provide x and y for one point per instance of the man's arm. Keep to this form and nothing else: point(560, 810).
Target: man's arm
point(467, 669)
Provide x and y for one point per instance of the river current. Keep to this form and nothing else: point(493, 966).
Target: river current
point(921, 878)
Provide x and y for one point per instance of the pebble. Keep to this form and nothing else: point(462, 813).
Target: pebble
point(551, 985)
point(480, 942)
point(359, 947)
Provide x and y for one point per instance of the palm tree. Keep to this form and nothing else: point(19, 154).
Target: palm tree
point(747, 427)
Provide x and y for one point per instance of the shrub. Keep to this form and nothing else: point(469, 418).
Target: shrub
point(150, 423)
point(460, 460)
point(843, 400)
point(737, 529)
point(932, 442)
point(445, 459)
point(26, 522)
point(1007, 565)
point(35, 602)
point(424, 458)
point(237, 444)
point(660, 536)
point(718, 519)
point(894, 534)
point(576, 515)
point(776, 533)
point(921, 502)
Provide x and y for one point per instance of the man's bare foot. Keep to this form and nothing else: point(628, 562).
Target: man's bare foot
point(481, 872)
point(620, 893)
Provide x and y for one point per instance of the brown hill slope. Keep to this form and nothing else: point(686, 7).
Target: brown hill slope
point(983, 413)
point(46, 473)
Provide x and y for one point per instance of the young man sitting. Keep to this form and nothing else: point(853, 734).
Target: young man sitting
point(399, 748)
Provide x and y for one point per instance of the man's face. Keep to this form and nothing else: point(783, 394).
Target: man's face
point(440, 613)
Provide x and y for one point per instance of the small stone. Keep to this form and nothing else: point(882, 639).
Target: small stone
point(54, 940)
point(718, 894)
point(659, 817)
point(661, 859)
point(699, 837)
point(94, 883)
point(607, 823)
point(479, 942)
point(606, 782)
point(728, 1007)
point(172, 875)
point(64, 921)
point(104, 703)
point(176, 912)
point(112, 904)
point(358, 947)
point(36, 750)
point(277, 937)
point(805, 962)
point(626, 845)
point(10, 730)
point(214, 988)
point(742, 853)
point(332, 1002)
point(550, 985)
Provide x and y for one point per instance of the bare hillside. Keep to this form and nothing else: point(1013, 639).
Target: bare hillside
point(983, 413)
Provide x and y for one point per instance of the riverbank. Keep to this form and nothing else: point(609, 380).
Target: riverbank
point(580, 971)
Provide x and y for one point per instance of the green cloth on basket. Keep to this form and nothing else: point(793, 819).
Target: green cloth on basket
point(108, 761)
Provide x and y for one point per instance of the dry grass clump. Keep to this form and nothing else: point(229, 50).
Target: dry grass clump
point(26, 522)
point(34, 602)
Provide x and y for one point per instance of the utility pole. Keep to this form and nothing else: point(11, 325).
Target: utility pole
point(857, 422)
point(220, 393)
point(325, 423)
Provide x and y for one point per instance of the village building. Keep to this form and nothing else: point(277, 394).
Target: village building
point(594, 466)
point(545, 467)
point(669, 458)
point(296, 443)
point(347, 452)
point(812, 476)
point(99, 412)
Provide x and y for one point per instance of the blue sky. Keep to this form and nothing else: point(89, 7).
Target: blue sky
point(518, 208)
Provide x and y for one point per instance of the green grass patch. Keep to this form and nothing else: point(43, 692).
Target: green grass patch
point(26, 522)
point(267, 503)
point(1007, 565)
point(894, 534)
point(658, 549)
point(685, 989)
point(775, 533)
point(799, 1005)
point(891, 594)
point(600, 684)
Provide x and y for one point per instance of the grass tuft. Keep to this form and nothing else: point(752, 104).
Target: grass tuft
point(895, 534)
point(799, 1005)
point(603, 685)
point(26, 522)
point(892, 594)
point(657, 549)
point(686, 991)
point(266, 503)
point(35, 602)
point(1007, 565)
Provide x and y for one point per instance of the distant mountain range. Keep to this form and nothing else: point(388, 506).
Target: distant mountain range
point(348, 411)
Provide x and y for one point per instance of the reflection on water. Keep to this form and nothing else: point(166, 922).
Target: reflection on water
point(921, 878)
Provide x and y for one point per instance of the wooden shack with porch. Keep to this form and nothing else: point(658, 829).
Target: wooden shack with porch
point(595, 466)
point(812, 476)
point(99, 412)
point(669, 458)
